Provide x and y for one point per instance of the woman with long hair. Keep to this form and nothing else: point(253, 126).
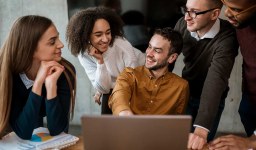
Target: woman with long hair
point(35, 81)
point(95, 35)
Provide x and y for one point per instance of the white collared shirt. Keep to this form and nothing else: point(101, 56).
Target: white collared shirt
point(210, 34)
point(26, 81)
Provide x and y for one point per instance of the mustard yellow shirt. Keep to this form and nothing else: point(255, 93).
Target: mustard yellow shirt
point(138, 91)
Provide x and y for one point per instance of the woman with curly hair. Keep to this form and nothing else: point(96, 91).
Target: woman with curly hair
point(95, 35)
point(35, 81)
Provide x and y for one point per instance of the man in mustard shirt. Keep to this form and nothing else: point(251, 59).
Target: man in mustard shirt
point(151, 89)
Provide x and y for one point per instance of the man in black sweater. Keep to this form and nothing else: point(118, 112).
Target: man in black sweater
point(209, 50)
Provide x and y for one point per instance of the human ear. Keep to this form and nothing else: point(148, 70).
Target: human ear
point(215, 14)
point(172, 58)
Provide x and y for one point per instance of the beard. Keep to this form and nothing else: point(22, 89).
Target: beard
point(160, 65)
point(246, 22)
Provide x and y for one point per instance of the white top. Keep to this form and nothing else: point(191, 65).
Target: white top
point(116, 58)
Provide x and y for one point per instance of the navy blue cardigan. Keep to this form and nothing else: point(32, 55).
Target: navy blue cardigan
point(28, 108)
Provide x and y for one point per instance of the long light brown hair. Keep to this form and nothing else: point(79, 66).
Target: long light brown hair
point(16, 56)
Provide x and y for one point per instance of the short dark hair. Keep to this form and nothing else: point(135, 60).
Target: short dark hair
point(174, 37)
point(81, 25)
point(216, 4)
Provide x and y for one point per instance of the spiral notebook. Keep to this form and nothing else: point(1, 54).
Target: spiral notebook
point(41, 139)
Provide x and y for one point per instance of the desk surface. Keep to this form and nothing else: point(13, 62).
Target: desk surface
point(79, 145)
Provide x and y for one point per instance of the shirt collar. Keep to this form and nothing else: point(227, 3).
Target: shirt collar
point(150, 73)
point(26, 81)
point(210, 34)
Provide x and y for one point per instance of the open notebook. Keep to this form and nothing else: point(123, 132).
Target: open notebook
point(40, 140)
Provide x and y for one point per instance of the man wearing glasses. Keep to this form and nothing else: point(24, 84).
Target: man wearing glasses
point(209, 50)
point(242, 14)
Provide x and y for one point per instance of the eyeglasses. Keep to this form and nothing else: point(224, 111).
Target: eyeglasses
point(241, 15)
point(193, 13)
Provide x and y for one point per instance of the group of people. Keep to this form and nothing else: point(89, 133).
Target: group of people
point(35, 81)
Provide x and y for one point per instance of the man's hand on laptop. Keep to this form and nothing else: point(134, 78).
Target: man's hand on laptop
point(198, 139)
point(125, 113)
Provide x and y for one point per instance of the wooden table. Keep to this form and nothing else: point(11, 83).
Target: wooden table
point(79, 145)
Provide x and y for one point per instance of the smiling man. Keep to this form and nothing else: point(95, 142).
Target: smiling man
point(242, 14)
point(151, 89)
point(209, 50)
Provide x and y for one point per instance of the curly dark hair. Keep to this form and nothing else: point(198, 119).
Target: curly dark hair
point(81, 25)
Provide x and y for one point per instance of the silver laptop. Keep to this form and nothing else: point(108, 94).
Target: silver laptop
point(138, 132)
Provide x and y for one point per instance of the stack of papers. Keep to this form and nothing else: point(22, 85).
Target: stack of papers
point(41, 139)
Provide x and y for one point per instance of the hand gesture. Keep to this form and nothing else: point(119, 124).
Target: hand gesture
point(96, 53)
point(43, 71)
point(125, 113)
point(198, 139)
point(48, 73)
point(51, 79)
point(232, 142)
point(97, 97)
point(53, 74)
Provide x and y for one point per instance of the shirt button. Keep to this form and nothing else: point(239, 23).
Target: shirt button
point(151, 101)
point(156, 85)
